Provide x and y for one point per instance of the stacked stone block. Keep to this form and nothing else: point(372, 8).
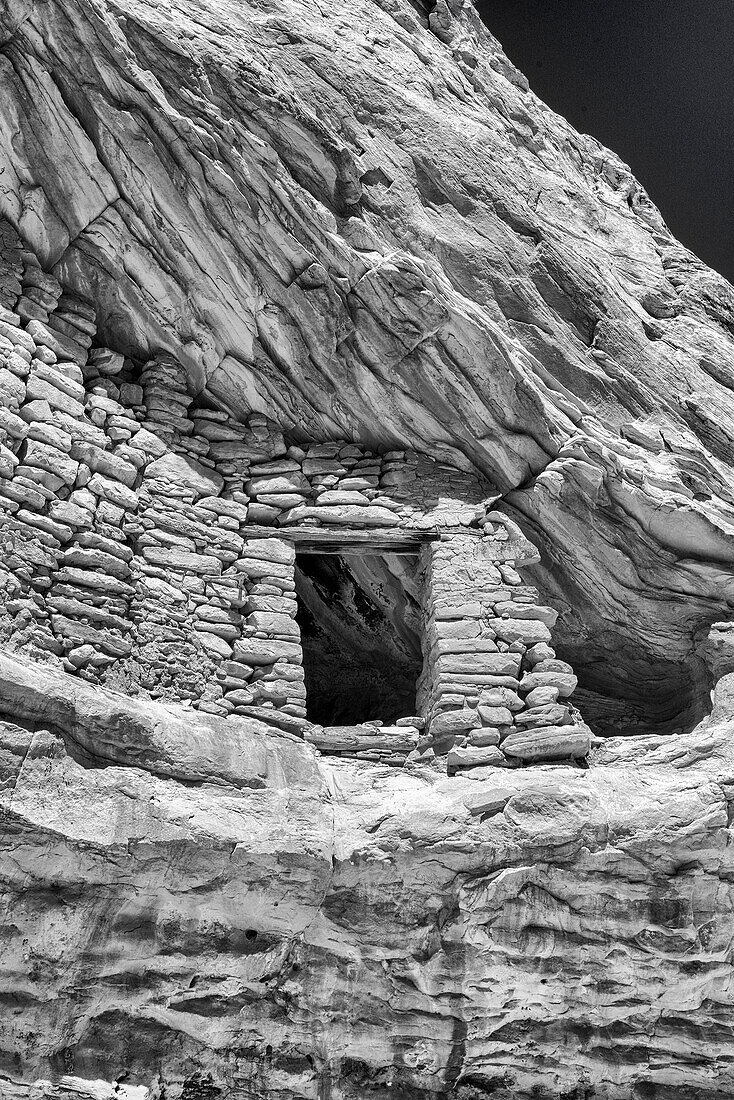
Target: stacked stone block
point(40, 292)
point(431, 493)
point(392, 745)
point(235, 447)
point(345, 485)
point(62, 515)
point(167, 401)
point(179, 553)
point(492, 691)
point(339, 484)
point(271, 643)
point(193, 568)
point(62, 323)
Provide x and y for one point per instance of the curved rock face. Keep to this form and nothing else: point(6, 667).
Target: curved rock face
point(360, 224)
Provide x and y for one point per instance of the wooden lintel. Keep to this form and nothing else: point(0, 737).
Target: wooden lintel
point(331, 540)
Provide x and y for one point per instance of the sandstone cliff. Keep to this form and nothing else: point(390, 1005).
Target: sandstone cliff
point(361, 224)
point(279, 929)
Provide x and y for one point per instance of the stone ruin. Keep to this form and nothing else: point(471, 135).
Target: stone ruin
point(154, 544)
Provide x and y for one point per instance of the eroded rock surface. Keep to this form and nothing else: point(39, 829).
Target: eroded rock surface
point(358, 224)
point(345, 929)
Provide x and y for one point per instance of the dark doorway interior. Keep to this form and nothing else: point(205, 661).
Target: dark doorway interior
point(360, 631)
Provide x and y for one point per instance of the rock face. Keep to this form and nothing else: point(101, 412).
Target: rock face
point(281, 280)
point(286, 928)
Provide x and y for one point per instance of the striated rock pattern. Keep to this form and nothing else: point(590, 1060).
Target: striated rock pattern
point(314, 324)
point(187, 920)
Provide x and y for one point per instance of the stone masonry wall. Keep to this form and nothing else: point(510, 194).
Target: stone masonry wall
point(145, 539)
point(492, 690)
point(124, 510)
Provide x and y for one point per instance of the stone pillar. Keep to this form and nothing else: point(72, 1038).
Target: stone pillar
point(461, 657)
point(492, 691)
point(89, 598)
point(188, 602)
point(271, 639)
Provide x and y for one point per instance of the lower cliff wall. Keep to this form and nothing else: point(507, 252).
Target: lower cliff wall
point(194, 911)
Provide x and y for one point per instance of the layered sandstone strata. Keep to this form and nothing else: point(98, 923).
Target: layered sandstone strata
point(200, 908)
point(320, 258)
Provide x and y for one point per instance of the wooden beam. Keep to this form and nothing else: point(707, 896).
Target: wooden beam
point(330, 540)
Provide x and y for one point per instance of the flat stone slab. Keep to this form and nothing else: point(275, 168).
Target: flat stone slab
point(549, 743)
point(202, 481)
point(361, 738)
point(100, 725)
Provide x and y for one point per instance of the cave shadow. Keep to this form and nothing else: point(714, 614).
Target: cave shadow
point(360, 633)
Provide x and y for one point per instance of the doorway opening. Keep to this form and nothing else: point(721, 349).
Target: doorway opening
point(361, 636)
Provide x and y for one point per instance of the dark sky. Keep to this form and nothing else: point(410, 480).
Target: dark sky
point(654, 81)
